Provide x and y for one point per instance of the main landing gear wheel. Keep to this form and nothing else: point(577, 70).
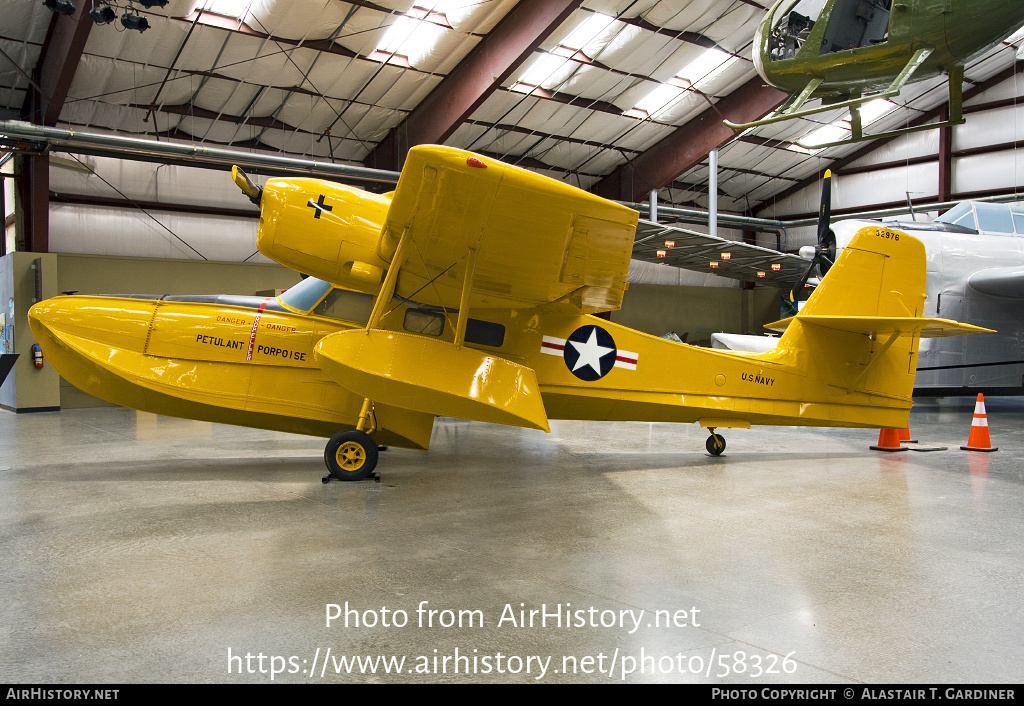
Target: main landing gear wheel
point(350, 455)
point(715, 444)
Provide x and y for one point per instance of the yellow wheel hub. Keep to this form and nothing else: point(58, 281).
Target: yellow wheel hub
point(351, 456)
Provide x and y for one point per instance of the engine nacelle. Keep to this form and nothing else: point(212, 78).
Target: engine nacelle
point(323, 229)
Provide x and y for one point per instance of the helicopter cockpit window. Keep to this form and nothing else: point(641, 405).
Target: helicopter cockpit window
point(856, 23)
point(793, 27)
point(305, 294)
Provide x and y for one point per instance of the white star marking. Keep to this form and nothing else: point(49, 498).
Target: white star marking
point(590, 353)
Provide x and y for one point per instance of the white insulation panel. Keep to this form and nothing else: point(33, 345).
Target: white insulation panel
point(97, 230)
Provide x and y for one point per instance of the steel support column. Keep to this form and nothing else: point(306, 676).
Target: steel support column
point(685, 147)
point(493, 60)
point(33, 198)
point(945, 158)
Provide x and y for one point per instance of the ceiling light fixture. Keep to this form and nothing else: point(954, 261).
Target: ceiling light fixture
point(101, 13)
point(61, 7)
point(135, 21)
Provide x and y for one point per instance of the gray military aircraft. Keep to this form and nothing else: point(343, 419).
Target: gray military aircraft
point(975, 273)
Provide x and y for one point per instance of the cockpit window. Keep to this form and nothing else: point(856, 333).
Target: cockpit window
point(346, 305)
point(856, 23)
point(305, 294)
point(793, 27)
point(962, 215)
point(994, 217)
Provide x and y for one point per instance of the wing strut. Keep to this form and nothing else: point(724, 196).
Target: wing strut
point(467, 285)
point(387, 289)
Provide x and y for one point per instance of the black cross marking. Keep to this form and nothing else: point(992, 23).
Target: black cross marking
point(319, 206)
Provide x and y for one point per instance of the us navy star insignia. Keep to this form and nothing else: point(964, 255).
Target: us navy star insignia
point(589, 353)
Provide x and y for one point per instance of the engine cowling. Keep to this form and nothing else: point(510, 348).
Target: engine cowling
point(323, 229)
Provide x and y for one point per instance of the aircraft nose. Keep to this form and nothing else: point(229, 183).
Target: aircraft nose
point(114, 321)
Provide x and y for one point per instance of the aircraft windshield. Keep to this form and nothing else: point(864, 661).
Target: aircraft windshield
point(305, 294)
point(792, 28)
point(317, 297)
point(986, 217)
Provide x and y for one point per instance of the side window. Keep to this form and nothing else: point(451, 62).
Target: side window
point(994, 217)
point(430, 323)
point(346, 305)
point(485, 333)
point(1018, 220)
point(966, 220)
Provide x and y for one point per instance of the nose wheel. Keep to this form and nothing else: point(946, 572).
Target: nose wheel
point(715, 443)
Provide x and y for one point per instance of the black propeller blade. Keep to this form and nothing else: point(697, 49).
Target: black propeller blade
point(825, 250)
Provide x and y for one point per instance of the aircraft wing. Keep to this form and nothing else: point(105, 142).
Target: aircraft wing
point(696, 251)
point(535, 240)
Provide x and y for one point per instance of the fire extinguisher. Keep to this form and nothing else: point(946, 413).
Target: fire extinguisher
point(37, 355)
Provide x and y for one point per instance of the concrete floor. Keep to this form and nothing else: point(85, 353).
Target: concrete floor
point(136, 548)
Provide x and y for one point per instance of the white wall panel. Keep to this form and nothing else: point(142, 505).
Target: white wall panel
point(1000, 171)
point(99, 230)
point(990, 127)
point(916, 144)
point(145, 181)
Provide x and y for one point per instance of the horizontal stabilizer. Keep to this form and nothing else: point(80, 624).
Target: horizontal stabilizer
point(432, 376)
point(885, 325)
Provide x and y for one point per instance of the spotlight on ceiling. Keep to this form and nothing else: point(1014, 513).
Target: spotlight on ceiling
point(62, 7)
point(152, 3)
point(102, 15)
point(134, 22)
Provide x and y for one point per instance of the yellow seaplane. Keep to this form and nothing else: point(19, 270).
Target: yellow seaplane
point(471, 292)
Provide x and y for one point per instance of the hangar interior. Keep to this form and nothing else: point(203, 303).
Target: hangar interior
point(142, 548)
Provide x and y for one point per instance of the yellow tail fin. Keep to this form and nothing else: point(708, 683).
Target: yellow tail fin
point(859, 332)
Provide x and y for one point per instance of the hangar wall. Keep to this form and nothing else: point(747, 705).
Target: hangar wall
point(27, 388)
point(697, 312)
point(984, 158)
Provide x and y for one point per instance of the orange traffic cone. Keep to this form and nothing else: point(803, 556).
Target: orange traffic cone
point(905, 436)
point(889, 440)
point(979, 439)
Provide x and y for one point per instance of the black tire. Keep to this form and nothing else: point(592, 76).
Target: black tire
point(715, 445)
point(351, 455)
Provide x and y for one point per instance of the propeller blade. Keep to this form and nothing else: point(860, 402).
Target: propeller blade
point(794, 294)
point(825, 212)
point(248, 187)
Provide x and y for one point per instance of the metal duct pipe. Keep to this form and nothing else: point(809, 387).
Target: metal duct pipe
point(899, 211)
point(713, 193)
point(177, 153)
point(653, 210)
point(695, 216)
